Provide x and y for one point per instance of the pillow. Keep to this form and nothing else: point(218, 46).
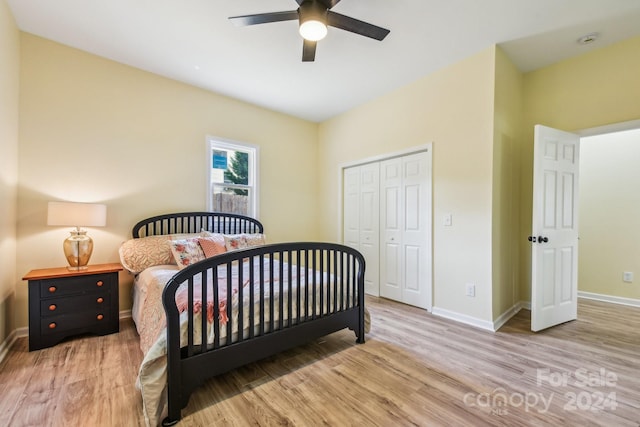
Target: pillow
point(212, 245)
point(255, 239)
point(235, 242)
point(138, 254)
point(242, 241)
point(186, 251)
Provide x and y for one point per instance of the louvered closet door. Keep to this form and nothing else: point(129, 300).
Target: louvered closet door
point(405, 218)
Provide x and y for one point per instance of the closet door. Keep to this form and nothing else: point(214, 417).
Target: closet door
point(361, 218)
point(370, 225)
point(405, 268)
point(391, 201)
point(351, 207)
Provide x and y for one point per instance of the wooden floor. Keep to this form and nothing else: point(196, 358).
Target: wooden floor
point(414, 369)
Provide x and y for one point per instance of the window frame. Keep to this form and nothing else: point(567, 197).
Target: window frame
point(253, 181)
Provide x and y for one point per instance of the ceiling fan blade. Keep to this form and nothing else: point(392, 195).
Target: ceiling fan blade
point(264, 18)
point(356, 26)
point(309, 51)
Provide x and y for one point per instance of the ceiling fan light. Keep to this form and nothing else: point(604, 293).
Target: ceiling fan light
point(313, 30)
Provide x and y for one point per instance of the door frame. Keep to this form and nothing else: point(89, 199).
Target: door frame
point(612, 128)
point(428, 147)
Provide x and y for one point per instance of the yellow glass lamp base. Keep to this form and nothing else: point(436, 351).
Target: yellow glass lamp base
point(77, 249)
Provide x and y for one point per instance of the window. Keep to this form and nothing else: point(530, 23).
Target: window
point(232, 178)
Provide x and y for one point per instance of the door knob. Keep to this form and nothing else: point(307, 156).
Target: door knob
point(542, 239)
point(532, 239)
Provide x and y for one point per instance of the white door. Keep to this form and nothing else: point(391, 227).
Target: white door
point(370, 225)
point(405, 225)
point(554, 239)
point(361, 218)
point(351, 207)
point(391, 203)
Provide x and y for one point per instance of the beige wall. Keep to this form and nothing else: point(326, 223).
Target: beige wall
point(507, 149)
point(453, 108)
point(93, 130)
point(595, 89)
point(9, 105)
point(609, 212)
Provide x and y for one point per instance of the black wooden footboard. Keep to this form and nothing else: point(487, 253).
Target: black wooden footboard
point(277, 297)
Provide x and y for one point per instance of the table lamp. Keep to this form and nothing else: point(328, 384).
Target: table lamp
point(78, 246)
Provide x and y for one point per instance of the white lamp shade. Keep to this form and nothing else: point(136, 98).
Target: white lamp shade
point(77, 214)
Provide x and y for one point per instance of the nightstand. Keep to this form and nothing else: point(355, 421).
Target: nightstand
point(64, 303)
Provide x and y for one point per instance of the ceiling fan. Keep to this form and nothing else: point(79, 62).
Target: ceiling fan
point(314, 16)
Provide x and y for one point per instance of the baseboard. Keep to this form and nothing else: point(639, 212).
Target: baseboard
point(483, 324)
point(504, 317)
point(610, 298)
point(463, 318)
point(7, 344)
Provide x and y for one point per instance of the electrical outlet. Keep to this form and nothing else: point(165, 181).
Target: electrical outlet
point(447, 220)
point(470, 290)
point(627, 276)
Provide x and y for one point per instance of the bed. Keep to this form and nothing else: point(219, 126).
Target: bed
point(230, 308)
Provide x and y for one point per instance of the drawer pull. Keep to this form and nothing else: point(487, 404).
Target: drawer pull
point(52, 307)
point(100, 300)
point(52, 325)
point(52, 289)
point(99, 283)
point(99, 317)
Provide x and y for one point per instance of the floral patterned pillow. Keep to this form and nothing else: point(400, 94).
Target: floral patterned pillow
point(242, 241)
point(255, 239)
point(186, 251)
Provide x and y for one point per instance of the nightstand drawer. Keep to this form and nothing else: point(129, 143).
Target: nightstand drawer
point(92, 302)
point(71, 321)
point(74, 285)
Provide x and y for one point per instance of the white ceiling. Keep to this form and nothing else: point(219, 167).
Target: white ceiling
point(193, 41)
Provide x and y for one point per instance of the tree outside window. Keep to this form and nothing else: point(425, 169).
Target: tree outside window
point(238, 171)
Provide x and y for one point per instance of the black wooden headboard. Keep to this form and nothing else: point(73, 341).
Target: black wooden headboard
point(194, 222)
